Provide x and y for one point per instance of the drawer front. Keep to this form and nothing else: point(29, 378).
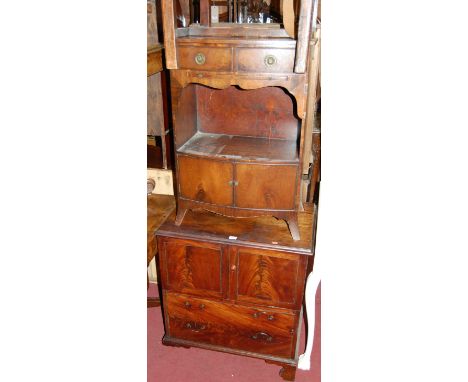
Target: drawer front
point(194, 268)
point(268, 278)
point(202, 58)
point(233, 326)
point(265, 60)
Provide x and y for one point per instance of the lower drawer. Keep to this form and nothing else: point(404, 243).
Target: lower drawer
point(264, 331)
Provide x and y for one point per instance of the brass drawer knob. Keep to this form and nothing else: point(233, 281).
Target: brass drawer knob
point(202, 306)
point(270, 60)
point(187, 304)
point(271, 318)
point(200, 58)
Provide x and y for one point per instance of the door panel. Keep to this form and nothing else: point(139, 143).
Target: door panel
point(269, 278)
point(270, 187)
point(194, 268)
point(206, 180)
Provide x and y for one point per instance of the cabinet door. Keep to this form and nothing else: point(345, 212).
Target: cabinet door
point(270, 187)
point(269, 278)
point(194, 267)
point(205, 180)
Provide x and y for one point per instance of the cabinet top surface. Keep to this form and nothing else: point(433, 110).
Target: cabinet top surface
point(266, 232)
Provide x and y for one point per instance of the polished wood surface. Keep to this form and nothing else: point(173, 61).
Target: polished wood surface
point(206, 180)
point(235, 285)
point(192, 267)
point(265, 331)
point(210, 58)
point(265, 186)
point(265, 232)
point(229, 111)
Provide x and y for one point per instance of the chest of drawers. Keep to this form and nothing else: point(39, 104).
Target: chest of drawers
point(235, 285)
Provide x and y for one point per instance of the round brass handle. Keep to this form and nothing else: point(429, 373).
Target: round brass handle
point(200, 58)
point(270, 60)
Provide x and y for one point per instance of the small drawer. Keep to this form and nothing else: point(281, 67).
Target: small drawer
point(202, 58)
point(265, 60)
point(263, 331)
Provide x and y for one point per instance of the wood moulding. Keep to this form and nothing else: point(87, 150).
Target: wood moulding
point(295, 84)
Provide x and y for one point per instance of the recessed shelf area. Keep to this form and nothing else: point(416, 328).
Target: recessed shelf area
point(238, 147)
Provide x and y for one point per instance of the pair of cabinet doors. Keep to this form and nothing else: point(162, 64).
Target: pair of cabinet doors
point(235, 273)
point(237, 184)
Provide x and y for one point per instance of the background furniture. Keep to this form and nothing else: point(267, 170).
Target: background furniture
point(159, 155)
point(159, 208)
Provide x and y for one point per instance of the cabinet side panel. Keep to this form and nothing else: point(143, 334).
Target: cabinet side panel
point(185, 119)
point(265, 112)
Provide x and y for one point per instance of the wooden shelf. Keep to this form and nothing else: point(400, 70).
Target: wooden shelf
point(241, 148)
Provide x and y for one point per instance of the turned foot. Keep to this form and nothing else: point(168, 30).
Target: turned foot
point(168, 342)
point(152, 302)
point(180, 216)
point(288, 372)
point(294, 228)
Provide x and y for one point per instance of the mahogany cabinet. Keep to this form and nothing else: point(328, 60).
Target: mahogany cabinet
point(235, 285)
point(238, 107)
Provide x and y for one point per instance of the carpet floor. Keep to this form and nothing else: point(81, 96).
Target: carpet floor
point(172, 364)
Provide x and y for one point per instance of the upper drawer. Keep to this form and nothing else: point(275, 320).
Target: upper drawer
point(265, 60)
point(202, 58)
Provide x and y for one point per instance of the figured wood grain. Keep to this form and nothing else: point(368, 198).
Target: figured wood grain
point(265, 186)
point(269, 278)
point(238, 112)
point(258, 330)
point(205, 180)
point(192, 268)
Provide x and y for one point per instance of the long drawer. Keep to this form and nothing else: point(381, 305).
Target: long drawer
point(265, 331)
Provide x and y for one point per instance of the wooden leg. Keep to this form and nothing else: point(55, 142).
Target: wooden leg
point(294, 228)
point(173, 344)
point(180, 216)
point(152, 302)
point(288, 372)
